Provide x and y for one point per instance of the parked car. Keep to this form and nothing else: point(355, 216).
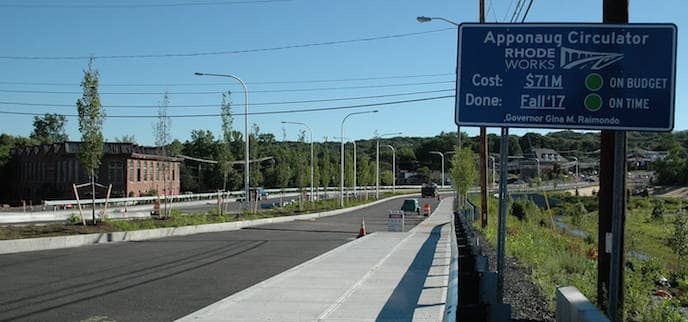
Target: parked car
point(260, 192)
point(428, 190)
point(411, 205)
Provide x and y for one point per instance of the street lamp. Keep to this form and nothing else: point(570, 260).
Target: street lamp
point(442, 155)
point(423, 19)
point(341, 183)
point(310, 131)
point(246, 147)
point(377, 163)
point(354, 142)
point(394, 168)
point(576, 158)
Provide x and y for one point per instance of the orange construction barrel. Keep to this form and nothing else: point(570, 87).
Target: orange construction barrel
point(426, 210)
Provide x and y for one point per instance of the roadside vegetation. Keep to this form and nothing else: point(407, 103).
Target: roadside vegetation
point(559, 258)
point(176, 219)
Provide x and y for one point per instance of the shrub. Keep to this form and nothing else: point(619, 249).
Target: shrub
point(74, 219)
point(658, 210)
point(524, 208)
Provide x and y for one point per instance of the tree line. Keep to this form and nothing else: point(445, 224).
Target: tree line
point(290, 163)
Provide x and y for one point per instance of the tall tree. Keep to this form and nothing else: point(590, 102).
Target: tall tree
point(91, 117)
point(162, 139)
point(256, 177)
point(464, 171)
point(302, 171)
point(49, 128)
point(225, 156)
point(325, 167)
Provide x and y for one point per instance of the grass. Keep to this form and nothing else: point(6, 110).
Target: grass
point(176, 219)
point(560, 259)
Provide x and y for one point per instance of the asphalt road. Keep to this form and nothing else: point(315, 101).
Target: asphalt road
point(164, 279)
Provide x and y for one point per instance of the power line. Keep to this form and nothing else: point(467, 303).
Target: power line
point(217, 105)
point(506, 13)
point(517, 10)
point(494, 14)
point(21, 91)
point(382, 104)
point(151, 5)
point(527, 10)
point(225, 83)
point(228, 52)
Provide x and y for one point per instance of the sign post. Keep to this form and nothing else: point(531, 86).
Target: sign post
point(395, 221)
point(609, 77)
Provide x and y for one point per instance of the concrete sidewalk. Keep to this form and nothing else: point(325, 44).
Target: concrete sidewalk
point(384, 276)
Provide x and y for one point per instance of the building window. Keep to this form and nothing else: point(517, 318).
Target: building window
point(131, 170)
point(115, 172)
point(173, 170)
point(138, 171)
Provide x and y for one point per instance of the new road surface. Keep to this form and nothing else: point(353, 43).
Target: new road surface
point(165, 279)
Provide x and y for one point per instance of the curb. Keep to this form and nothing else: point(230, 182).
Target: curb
point(46, 243)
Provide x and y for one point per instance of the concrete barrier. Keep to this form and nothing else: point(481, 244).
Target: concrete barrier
point(573, 306)
point(46, 243)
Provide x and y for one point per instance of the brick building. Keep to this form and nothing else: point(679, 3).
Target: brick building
point(47, 172)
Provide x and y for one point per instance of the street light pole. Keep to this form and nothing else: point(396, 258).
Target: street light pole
point(377, 163)
point(394, 167)
point(310, 131)
point(246, 141)
point(354, 142)
point(441, 155)
point(493, 170)
point(341, 183)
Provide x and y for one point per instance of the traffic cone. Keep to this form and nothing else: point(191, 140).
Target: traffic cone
point(362, 230)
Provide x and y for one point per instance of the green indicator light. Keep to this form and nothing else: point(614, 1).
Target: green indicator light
point(594, 81)
point(593, 102)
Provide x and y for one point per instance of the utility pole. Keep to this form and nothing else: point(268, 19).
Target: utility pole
point(612, 201)
point(483, 154)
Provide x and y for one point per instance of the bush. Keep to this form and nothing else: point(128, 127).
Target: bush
point(658, 210)
point(523, 209)
point(74, 219)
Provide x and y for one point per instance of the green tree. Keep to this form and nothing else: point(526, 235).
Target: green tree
point(425, 174)
point(464, 171)
point(367, 171)
point(49, 128)
point(679, 238)
point(225, 156)
point(161, 131)
point(658, 210)
point(175, 148)
point(256, 176)
point(301, 165)
point(325, 167)
point(91, 117)
point(126, 138)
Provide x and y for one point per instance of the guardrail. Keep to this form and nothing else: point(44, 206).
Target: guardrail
point(213, 195)
point(452, 301)
point(203, 196)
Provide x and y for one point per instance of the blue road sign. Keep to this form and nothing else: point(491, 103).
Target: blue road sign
point(571, 76)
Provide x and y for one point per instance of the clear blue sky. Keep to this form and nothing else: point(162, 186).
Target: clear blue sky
point(186, 29)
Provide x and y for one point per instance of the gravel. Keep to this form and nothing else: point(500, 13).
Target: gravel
point(527, 300)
